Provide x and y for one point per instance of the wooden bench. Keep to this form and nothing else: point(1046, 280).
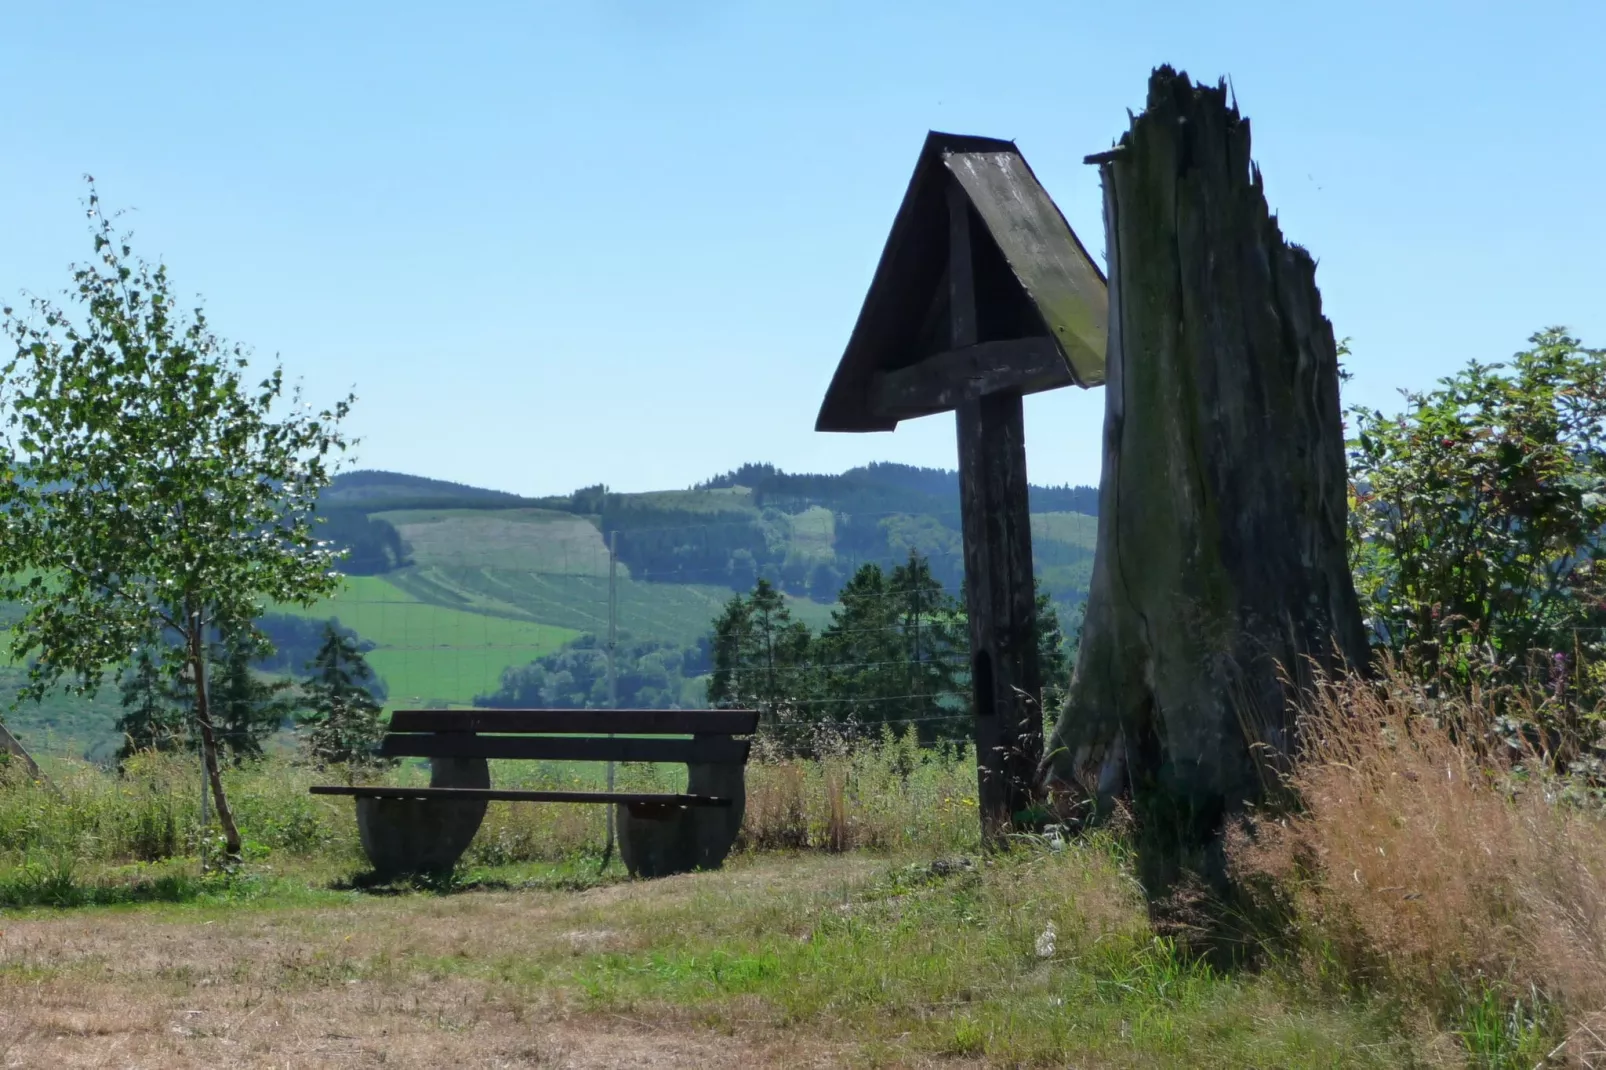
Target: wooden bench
point(422, 829)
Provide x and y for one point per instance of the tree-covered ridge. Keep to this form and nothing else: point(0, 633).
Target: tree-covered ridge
point(803, 533)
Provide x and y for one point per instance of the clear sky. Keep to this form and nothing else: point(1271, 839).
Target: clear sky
point(624, 241)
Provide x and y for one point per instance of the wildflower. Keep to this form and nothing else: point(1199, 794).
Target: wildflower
point(1045, 942)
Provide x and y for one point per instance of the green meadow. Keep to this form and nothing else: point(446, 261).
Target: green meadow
point(432, 654)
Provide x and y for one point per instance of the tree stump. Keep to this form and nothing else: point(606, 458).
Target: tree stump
point(406, 836)
point(1220, 581)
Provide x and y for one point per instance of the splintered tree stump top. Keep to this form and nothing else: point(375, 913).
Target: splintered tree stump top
point(983, 295)
point(1220, 563)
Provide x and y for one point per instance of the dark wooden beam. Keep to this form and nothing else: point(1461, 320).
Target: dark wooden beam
point(1000, 600)
point(941, 382)
point(579, 722)
point(716, 750)
point(383, 791)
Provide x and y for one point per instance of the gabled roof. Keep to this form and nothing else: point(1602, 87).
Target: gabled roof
point(1033, 277)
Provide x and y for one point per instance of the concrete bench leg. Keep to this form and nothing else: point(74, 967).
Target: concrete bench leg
point(683, 839)
point(405, 836)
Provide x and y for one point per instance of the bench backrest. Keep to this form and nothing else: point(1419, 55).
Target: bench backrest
point(572, 735)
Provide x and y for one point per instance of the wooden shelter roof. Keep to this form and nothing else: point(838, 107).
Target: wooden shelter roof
point(1041, 302)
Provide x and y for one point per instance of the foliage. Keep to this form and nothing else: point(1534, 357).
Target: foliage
point(146, 486)
point(761, 658)
point(343, 717)
point(152, 720)
point(649, 675)
point(895, 652)
point(246, 708)
point(1476, 519)
point(371, 545)
point(296, 641)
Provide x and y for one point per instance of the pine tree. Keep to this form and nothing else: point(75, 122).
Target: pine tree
point(245, 707)
point(151, 719)
point(1053, 654)
point(344, 718)
point(933, 640)
point(863, 666)
point(894, 651)
point(760, 657)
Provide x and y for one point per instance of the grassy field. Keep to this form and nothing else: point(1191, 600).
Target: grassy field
point(529, 540)
point(1074, 529)
point(858, 924)
point(497, 588)
point(776, 961)
point(433, 653)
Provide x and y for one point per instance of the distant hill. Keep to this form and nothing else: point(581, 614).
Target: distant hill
point(806, 533)
point(448, 579)
point(371, 490)
point(455, 584)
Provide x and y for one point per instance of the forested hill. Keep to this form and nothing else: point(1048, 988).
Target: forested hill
point(454, 587)
point(875, 487)
point(804, 532)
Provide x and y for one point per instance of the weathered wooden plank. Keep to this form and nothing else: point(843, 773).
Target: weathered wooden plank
point(712, 750)
point(941, 382)
point(1043, 252)
point(580, 722)
point(384, 791)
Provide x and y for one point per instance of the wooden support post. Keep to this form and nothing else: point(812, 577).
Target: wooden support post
point(999, 595)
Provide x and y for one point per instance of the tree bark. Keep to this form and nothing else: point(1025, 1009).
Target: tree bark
point(203, 717)
point(1220, 581)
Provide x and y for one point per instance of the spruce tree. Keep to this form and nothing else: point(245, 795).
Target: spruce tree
point(760, 657)
point(933, 641)
point(246, 709)
point(344, 718)
point(151, 719)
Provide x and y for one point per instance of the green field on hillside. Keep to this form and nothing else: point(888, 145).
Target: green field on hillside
point(430, 653)
point(535, 540)
point(552, 568)
point(1075, 529)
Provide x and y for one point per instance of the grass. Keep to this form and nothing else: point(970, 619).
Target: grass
point(819, 959)
point(535, 540)
point(1432, 904)
point(679, 613)
point(430, 653)
point(1076, 529)
point(62, 725)
point(1426, 857)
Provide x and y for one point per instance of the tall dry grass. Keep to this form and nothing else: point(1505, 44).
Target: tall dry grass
point(883, 793)
point(1427, 858)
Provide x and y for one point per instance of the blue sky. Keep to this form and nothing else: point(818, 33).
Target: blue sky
point(624, 242)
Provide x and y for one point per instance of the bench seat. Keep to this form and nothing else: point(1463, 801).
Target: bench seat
point(410, 829)
point(384, 791)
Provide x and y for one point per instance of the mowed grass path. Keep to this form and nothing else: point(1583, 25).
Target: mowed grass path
point(431, 653)
point(1035, 960)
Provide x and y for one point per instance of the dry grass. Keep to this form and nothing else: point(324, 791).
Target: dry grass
point(413, 981)
point(796, 961)
point(886, 795)
point(1430, 862)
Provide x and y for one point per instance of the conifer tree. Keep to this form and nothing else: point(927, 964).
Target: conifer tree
point(343, 717)
point(246, 708)
point(151, 720)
